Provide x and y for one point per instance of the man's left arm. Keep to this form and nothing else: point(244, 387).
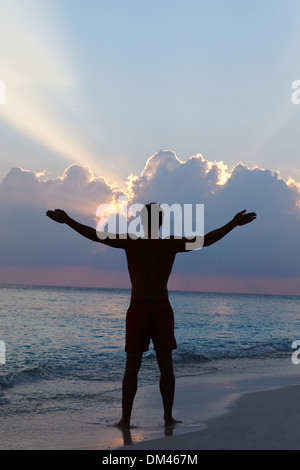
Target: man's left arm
point(241, 218)
point(197, 242)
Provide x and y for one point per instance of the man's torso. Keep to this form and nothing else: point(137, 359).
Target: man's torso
point(150, 264)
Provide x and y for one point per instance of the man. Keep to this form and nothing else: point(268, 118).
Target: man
point(150, 315)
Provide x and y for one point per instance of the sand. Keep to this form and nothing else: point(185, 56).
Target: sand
point(242, 405)
point(266, 420)
point(258, 409)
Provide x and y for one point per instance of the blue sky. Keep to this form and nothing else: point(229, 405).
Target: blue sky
point(102, 93)
point(122, 80)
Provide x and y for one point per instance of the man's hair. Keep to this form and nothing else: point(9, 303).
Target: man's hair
point(156, 210)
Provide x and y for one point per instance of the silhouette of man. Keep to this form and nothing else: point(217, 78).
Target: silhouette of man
point(150, 315)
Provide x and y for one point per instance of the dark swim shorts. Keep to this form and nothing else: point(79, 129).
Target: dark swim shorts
point(148, 319)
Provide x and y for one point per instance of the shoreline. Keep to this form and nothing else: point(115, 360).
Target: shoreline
point(261, 420)
point(254, 408)
point(235, 404)
point(244, 411)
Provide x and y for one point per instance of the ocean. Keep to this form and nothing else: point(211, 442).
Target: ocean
point(64, 353)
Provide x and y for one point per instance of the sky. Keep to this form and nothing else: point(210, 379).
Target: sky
point(175, 101)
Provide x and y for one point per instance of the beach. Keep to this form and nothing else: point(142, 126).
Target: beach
point(61, 386)
point(246, 411)
point(266, 420)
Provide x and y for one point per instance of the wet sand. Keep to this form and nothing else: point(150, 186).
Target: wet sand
point(266, 420)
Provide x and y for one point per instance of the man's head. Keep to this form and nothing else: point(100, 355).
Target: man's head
point(152, 218)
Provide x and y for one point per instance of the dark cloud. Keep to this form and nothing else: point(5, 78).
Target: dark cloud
point(28, 237)
point(267, 247)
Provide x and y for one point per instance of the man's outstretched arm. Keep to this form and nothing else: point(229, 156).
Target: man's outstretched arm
point(62, 217)
point(191, 244)
point(241, 218)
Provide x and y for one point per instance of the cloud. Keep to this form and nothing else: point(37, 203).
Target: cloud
point(28, 237)
point(77, 189)
point(169, 179)
point(266, 249)
point(269, 246)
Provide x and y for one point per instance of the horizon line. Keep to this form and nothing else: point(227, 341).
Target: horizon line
point(129, 289)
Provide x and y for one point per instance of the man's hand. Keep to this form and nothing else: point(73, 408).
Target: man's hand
point(58, 216)
point(241, 218)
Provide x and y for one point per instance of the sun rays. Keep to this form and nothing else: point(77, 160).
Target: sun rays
point(40, 83)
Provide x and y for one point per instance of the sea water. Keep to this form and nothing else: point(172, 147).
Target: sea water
point(64, 349)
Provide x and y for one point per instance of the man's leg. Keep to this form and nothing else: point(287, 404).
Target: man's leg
point(167, 384)
point(133, 364)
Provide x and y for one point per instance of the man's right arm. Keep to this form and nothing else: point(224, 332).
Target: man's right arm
point(113, 240)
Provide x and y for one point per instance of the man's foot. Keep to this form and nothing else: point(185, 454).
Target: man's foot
point(123, 423)
point(171, 421)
